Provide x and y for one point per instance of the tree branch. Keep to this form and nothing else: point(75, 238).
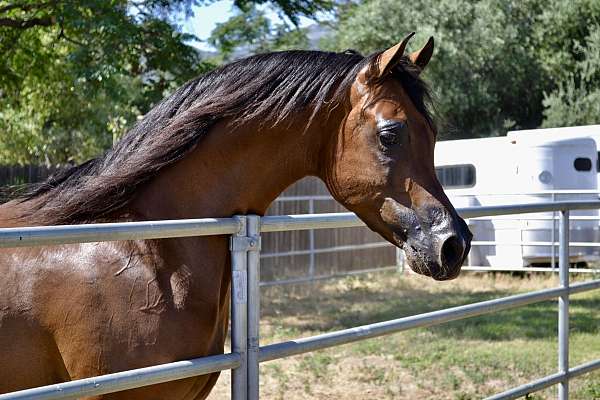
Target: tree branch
point(26, 7)
point(62, 35)
point(26, 23)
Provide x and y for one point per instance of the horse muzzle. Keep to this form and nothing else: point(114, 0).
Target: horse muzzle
point(436, 241)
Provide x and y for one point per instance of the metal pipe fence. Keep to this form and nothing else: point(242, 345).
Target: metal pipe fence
point(334, 252)
point(246, 355)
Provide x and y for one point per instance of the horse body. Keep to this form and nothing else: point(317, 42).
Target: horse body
point(75, 311)
point(96, 308)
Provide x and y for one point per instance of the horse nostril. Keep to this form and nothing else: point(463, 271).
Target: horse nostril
point(452, 251)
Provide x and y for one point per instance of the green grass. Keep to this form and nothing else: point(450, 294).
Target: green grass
point(466, 359)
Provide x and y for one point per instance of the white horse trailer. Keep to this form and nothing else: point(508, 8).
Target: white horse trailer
point(549, 134)
point(499, 170)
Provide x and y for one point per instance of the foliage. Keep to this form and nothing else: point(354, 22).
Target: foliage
point(75, 75)
point(73, 83)
point(290, 8)
point(577, 99)
point(494, 59)
point(251, 31)
point(250, 27)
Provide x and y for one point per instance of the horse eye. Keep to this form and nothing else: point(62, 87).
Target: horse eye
point(391, 133)
point(389, 139)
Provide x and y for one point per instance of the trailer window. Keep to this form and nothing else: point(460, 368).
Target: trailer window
point(456, 176)
point(583, 164)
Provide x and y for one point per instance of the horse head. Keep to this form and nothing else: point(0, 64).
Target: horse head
point(381, 165)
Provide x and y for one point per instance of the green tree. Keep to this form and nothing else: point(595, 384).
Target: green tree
point(247, 28)
point(291, 9)
point(474, 74)
point(576, 101)
point(494, 59)
point(75, 75)
point(251, 31)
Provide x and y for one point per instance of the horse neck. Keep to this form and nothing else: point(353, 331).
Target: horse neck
point(234, 170)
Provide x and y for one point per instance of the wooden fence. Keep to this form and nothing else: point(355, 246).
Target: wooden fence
point(330, 263)
point(20, 174)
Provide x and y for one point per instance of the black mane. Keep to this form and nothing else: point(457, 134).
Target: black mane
point(267, 87)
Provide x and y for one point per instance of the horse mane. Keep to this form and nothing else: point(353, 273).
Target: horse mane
point(268, 87)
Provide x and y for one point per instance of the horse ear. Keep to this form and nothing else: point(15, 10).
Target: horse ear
point(421, 57)
point(389, 58)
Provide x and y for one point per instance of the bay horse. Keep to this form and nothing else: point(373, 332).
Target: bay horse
point(225, 143)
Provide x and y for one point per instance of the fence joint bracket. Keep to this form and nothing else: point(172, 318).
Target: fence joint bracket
point(244, 243)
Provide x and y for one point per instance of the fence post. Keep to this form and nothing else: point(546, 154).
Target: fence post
point(253, 305)
point(311, 242)
point(239, 309)
point(553, 236)
point(563, 305)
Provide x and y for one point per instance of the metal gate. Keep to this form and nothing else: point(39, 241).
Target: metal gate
point(246, 353)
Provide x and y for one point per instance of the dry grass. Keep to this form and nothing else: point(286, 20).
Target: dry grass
point(467, 359)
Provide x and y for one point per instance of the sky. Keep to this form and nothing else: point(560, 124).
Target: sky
point(206, 18)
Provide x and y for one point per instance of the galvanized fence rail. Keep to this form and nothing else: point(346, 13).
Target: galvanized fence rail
point(246, 353)
point(310, 251)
